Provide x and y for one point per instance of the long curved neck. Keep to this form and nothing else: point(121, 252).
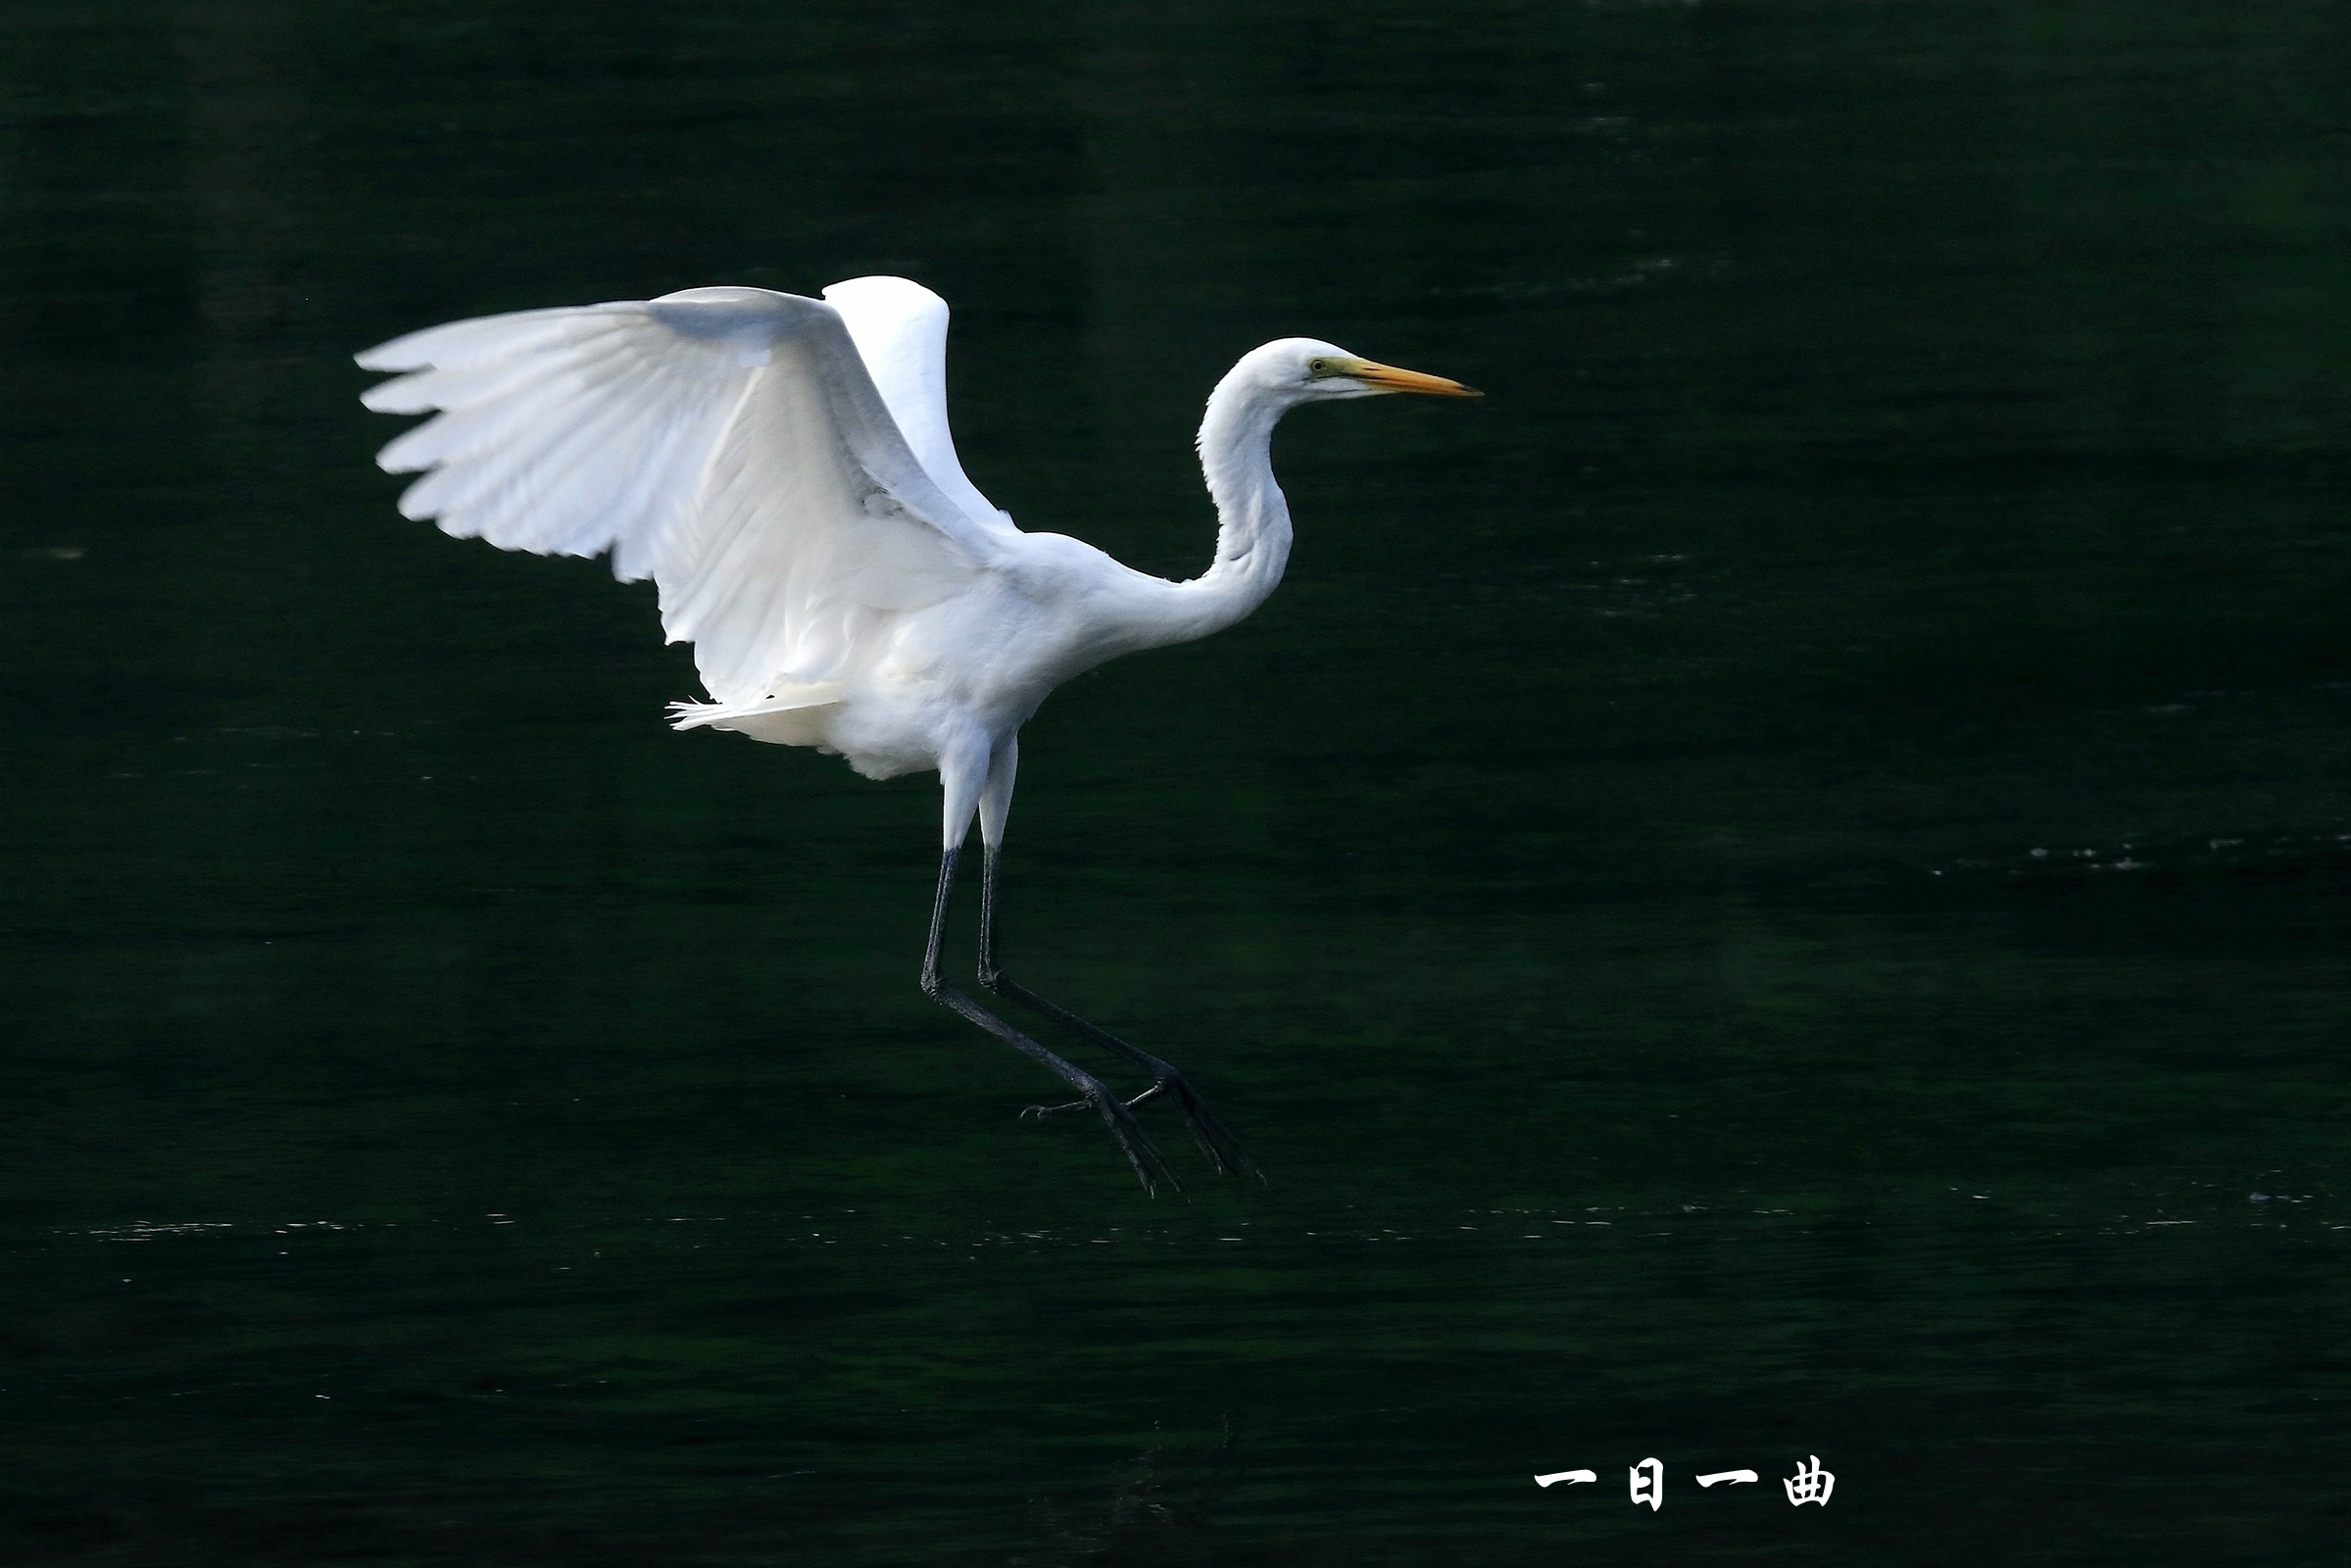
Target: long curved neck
point(1252, 518)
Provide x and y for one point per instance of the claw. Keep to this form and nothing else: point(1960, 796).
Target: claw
point(1219, 1147)
point(1150, 1167)
point(1221, 1150)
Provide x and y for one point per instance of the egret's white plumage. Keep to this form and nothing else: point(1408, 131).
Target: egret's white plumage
point(783, 469)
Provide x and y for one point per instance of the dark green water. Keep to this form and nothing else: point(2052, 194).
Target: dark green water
point(1777, 887)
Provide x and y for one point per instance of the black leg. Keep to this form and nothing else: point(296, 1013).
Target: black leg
point(1150, 1167)
point(1222, 1150)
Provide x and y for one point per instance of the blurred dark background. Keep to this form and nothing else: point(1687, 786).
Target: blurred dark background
point(1776, 888)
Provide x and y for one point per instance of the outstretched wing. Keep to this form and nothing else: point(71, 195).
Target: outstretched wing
point(899, 328)
point(727, 443)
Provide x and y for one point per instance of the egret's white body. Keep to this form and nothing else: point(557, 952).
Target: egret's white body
point(782, 468)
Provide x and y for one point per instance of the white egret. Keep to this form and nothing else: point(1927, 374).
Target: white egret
point(781, 467)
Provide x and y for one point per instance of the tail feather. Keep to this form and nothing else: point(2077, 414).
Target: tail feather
point(782, 714)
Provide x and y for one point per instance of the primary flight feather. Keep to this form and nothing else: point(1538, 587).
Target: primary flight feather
point(782, 469)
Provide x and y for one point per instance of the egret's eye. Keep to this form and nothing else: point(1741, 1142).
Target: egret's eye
point(1320, 367)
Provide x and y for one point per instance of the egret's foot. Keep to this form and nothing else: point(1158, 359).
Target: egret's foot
point(1221, 1150)
point(1217, 1144)
point(1150, 1167)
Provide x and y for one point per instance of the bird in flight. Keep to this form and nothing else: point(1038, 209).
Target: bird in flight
point(781, 467)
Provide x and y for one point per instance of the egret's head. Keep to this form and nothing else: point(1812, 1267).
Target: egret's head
point(1306, 369)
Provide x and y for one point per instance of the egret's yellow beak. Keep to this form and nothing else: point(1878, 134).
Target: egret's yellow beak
point(1388, 379)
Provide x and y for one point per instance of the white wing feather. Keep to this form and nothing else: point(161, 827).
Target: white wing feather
point(899, 328)
point(726, 442)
